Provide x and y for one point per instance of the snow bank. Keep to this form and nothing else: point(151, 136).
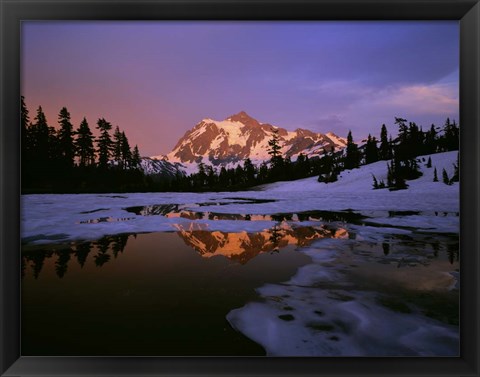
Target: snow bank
point(321, 311)
point(360, 180)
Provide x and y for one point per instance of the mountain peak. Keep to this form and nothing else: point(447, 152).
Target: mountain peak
point(244, 118)
point(230, 141)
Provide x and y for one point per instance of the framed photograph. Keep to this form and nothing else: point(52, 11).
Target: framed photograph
point(240, 188)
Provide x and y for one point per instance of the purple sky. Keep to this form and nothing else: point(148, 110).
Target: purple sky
point(155, 80)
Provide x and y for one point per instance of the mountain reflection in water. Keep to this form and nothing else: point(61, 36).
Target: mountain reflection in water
point(236, 246)
point(243, 246)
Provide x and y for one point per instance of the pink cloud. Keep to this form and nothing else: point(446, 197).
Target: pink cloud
point(434, 99)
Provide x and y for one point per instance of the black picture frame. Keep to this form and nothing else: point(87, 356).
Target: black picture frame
point(467, 12)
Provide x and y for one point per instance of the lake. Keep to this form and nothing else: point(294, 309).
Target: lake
point(318, 282)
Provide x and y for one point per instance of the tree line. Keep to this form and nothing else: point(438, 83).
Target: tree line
point(400, 153)
point(73, 160)
point(68, 159)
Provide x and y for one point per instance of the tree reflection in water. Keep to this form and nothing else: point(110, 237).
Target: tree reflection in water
point(104, 248)
point(236, 246)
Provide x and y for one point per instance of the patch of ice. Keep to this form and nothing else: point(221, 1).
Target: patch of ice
point(319, 312)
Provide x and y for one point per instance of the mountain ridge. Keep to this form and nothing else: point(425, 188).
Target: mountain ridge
point(240, 136)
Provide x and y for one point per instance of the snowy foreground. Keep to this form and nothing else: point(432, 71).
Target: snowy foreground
point(299, 317)
point(91, 216)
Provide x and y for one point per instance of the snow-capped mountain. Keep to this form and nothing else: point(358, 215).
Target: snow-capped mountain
point(155, 166)
point(240, 136)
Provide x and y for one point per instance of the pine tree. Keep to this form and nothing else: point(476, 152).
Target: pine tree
point(371, 151)
point(274, 148)
point(431, 140)
point(288, 169)
point(263, 172)
point(81, 252)
point(24, 120)
point(223, 177)
point(402, 129)
point(136, 158)
point(429, 162)
point(402, 149)
point(352, 158)
point(232, 181)
point(84, 144)
point(375, 182)
point(61, 265)
point(415, 140)
point(250, 171)
point(117, 146)
point(65, 139)
point(104, 143)
point(435, 177)
point(126, 153)
point(26, 140)
point(451, 135)
point(445, 177)
point(201, 176)
point(308, 167)
point(300, 166)
point(239, 174)
point(41, 138)
point(211, 176)
point(385, 152)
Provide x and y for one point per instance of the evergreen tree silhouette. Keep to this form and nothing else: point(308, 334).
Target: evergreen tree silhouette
point(27, 144)
point(81, 252)
point(117, 147)
point(249, 170)
point(450, 140)
point(273, 143)
point(385, 151)
point(84, 144)
point(431, 140)
point(445, 177)
point(104, 143)
point(61, 265)
point(126, 153)
point(201, 176)
point(263, 172)
point(65, 139)
point(41, 134)
point(276, 159)
point(102, 256)
point(371, 150)
point(352, 158)
point(211, 176)
point(223, 177)
point(136, 157)
point(38, 260)
point(24, 121)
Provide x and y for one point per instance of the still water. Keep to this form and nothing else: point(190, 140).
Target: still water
point(170, 293)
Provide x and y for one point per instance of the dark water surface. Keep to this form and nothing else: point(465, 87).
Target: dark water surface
point(169, 293)
point(148, 294)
